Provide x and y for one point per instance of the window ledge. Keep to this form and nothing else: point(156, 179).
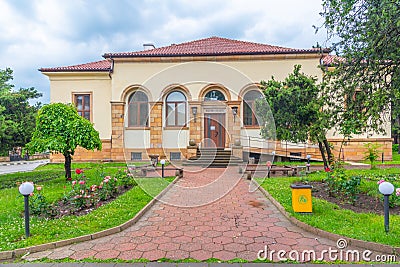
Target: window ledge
point(176, 128)
point(137, 128)
point(251, 127)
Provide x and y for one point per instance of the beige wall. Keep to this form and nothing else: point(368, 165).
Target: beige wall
point(387, 126)
point(64, 85)
point(196, 75)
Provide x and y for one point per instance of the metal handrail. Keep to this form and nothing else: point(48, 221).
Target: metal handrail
point(268, 146)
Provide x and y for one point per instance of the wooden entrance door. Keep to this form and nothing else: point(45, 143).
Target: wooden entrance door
point(214, 130)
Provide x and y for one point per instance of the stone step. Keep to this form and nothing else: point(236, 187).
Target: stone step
point(213, 164)
point(213, 157)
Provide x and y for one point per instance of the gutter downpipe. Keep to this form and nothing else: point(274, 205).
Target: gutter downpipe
point(112, 67)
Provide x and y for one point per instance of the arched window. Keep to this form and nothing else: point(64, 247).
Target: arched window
point(176, 109)
point(138, 110)
point(249, 107)
point(214, 95)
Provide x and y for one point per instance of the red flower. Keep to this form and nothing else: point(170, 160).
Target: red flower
point(69, 179)
point(327, 169)
point(78, 171)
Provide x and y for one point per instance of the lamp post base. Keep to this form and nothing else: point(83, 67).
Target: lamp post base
point(26, 201)
point(386, 211)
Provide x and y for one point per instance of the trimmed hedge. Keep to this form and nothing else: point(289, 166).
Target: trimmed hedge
point(11, 180)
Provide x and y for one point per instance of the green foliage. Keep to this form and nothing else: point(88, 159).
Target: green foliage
point(59, 128)
point(297, 108)
point(294, 103)
point(372, 153)
point(10, 180)
point(39, 206)
point(395, 148)
point(17, 115)
point(365, 35)
point(342, 185)
point(125, 178)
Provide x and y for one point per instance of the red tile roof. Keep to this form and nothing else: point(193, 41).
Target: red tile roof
point(103, 65)
point(331, 60)
point(213, 46)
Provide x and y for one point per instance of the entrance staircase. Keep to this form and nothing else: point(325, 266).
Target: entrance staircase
point(213, 158)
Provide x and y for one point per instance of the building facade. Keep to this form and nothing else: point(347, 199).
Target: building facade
point(202, 92)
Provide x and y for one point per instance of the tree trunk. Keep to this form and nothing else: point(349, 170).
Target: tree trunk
point(397, 135)
point(67, 166)
point(328, 151)
point(322, 150)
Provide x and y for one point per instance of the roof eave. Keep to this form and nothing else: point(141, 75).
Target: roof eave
point(118, 55)
point(44, 70)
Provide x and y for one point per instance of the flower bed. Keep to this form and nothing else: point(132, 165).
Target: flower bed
point(80, 197)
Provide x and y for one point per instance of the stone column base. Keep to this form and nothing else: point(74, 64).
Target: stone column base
point(237, 151)
point(191, 152)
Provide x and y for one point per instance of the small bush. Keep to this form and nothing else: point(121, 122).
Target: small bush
point(125, 178)
point(395, 148)
point(372, 153)
point(343, 186)
point(39, 206)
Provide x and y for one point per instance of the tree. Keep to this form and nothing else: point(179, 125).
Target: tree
point(366, 35)
point(297, 108)
point(59, 128)
point(17, 115)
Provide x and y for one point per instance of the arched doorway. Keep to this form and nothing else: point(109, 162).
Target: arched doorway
point(214, 119)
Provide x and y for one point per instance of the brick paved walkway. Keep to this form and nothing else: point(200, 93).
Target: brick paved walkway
point(237, 225)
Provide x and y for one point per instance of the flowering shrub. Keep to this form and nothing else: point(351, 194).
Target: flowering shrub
point(80, 194)
point(108, 188)
point(125, 178)
point(342, 185)
point(39, 206)
point(83, 195)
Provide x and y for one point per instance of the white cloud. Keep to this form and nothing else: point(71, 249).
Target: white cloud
point(45, 33)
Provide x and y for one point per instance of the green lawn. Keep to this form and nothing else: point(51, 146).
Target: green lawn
point(331, 218)
point(88, 165)
point(44, 230)
point(395, 159)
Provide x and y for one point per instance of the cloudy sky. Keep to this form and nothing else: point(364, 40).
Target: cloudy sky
point(50, 33)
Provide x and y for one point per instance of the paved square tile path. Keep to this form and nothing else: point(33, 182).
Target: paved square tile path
point(237, 225)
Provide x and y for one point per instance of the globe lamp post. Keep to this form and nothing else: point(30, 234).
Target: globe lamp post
point(386, 189)
point(26, 189)
point(162, 167)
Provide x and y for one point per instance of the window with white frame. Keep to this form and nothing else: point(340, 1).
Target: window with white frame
point(176, 109)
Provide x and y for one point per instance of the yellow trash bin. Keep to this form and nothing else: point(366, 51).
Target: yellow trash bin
point(301, 197)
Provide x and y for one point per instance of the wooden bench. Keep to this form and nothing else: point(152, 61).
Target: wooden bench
point(252, 168)
point(179, 171)
point(145, 168)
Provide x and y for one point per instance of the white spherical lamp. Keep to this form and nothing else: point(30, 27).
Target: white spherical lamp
point(26, 188)
point(162, 161)
point(386, 188)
